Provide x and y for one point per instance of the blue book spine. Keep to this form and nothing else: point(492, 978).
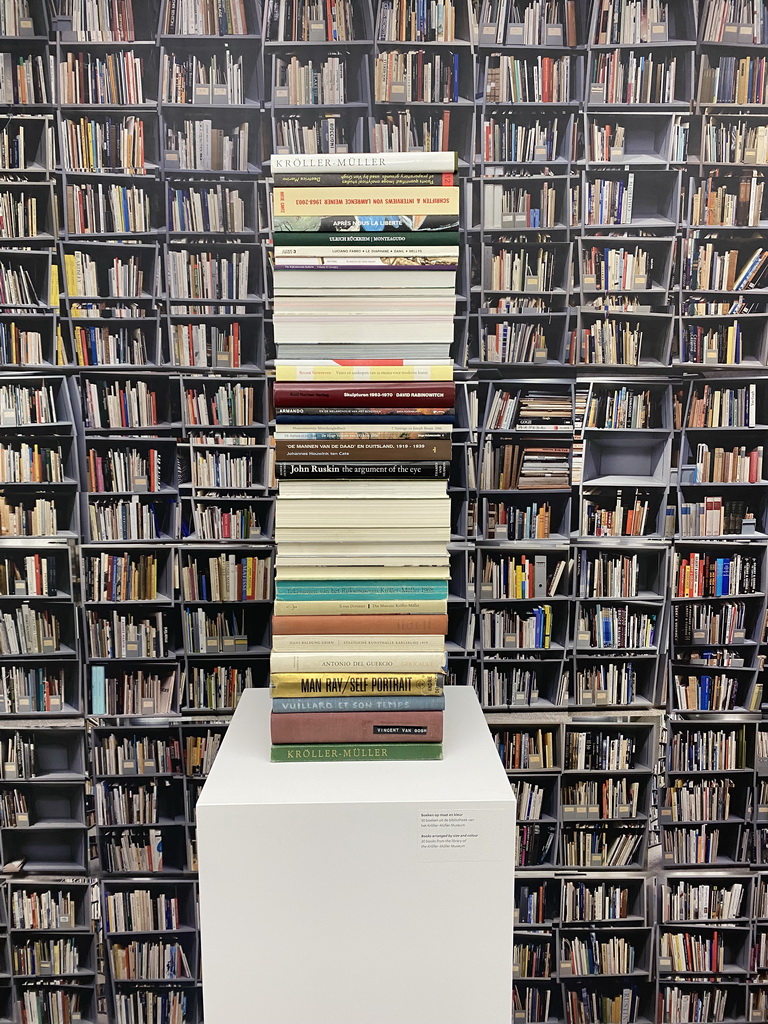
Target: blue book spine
point(288, 705)
point(98, 690)
point(361, 590)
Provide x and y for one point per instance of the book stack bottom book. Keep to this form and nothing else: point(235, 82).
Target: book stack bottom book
point(362, 446)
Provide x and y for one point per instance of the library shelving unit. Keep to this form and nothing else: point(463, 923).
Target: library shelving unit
point(317, 77)
point(612, 282)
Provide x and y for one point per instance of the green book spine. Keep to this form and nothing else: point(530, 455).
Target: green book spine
point(357, 752)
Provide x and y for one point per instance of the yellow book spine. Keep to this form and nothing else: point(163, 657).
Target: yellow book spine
point(370, 202)
point(345, 374)
point(70, 275)
point(298, 684)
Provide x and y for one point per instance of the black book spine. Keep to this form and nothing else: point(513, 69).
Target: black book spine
point(359, 470)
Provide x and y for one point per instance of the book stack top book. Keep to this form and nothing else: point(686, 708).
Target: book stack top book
point(364, 268)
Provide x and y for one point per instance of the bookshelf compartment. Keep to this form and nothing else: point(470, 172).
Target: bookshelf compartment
point(310, 131)
point(713, 951)
point(609, 903)
point(26, 79)
point(205, 76)
point(526, 520)
point(623, 953)
point(530, 339)
point(135, 576)
point(212, 278)
point(46, 906)
point(47, 849)
point(94, 143)
point(208, 516)
point(94, 271)
point(226, 144)
point(620, 77)
point(217, 686)
point(530, 749)
point(27, 213)
point(596, 797)
point(25, 279)
point(136, 750)
point(537, 906)
point(634, 1002)
point(157, 849)
point(48, 997)
point(126, 517)
point(616, 338)
point(221, 629)
point(242, 576)
point(626, 461)
point(418, 128)
point(529, 203)
point(527, 268)
point(223, 404)
point(646, 200)
point(632, 573)
point(139, 404)
point(524, 138)
point(512, 80)
point(532, 681)
point(114, 77)
point(137, 688)
point(536, 846)
point(321, 78)
point(695, 846)
point(50, 754)
point(26, 144)
point(635, 139)
point(224, 343)
point(28, 689)
point(134, 632)
point(161, 906)
point(639, 267)
point(734, 81)
point(211, 209)
point(121, 209)
point(603, 846)
point(718, 691)
point(29, 341)
point(73, 957)
point(675, 23)
point(723, 342)
point(710, 897)
point(109, 342)
point(602, 681)
point(147, 801)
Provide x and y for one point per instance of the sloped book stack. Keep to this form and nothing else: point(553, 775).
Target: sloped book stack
point(365, 257)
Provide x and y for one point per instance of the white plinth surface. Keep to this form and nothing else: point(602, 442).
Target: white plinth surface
point(357, 893)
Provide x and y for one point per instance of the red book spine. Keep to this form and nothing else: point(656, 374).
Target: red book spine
point(358, 727)
point(319, 396)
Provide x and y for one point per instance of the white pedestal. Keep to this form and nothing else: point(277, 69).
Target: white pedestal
point(373, 893)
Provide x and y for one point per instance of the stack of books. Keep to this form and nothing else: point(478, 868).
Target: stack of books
point(365, 259)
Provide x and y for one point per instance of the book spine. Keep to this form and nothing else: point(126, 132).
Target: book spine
point(350, 223)
point(356, 661)
point(433, 162)
point(363, 451)
point(371, 202)
point(360, 590)
point(348, 684)
point(394, 607)
point(357, 752)
point(362, 470)
point(361, 179)
point(364, 239)
point(341, 705)
point(373, 624)
point(299, 396)
point(358, 727)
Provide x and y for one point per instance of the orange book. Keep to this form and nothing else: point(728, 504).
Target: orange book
point(315, 625)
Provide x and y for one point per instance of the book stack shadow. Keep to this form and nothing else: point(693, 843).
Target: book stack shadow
point(365, 258)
